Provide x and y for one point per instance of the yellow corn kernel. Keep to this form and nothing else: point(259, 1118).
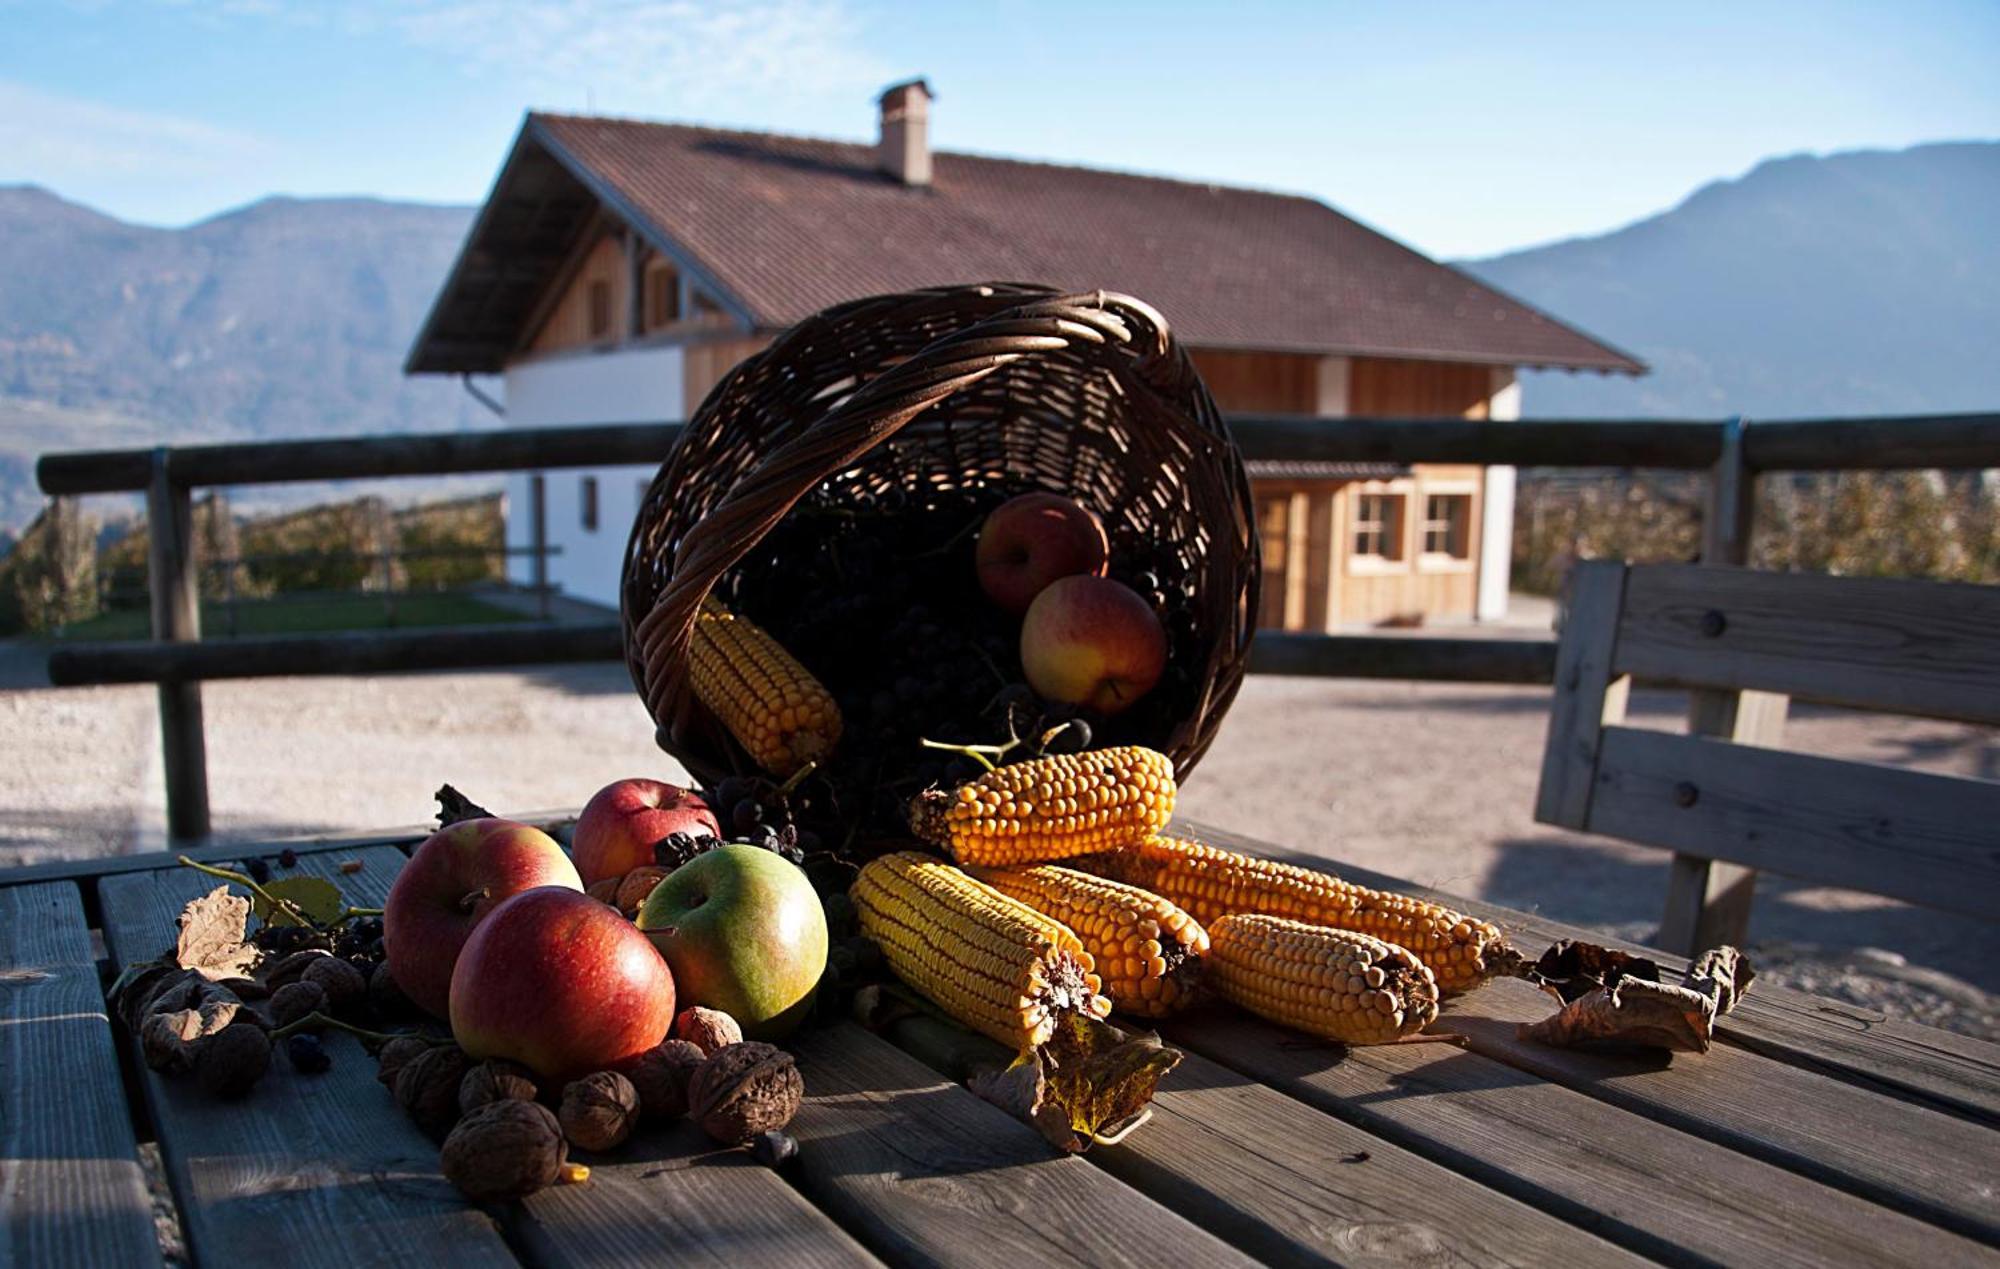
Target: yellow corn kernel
point(1325, 982)
point(775, 709)
point(1146, 950)
point(1212, 883)
point(1051, 808)
point(994, 964)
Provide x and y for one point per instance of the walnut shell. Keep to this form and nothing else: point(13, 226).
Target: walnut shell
point(344, 985)
point(230, 1062)
point(427, 1087)
point(504, 1150)
point(395, 1053)
point(661, 1075)
point(743, 1090)
point(605, 890)
point(492, 1081)
point(599, 1111)
point(290, 968)
point(294, 1001)
point(387, 995)
point(637, 884)
point(709, 1030)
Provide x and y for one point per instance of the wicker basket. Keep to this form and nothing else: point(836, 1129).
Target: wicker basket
point(949, 393)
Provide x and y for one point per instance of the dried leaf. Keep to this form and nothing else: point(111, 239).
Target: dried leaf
point(1635, 1014)
point(1019, 1090)
point(1722, 974)
point(317, 898)
point(454, 806)
point(1090, 1082)
point(211, 937)
point(1571, 969)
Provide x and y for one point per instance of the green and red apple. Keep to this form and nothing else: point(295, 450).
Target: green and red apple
point(1030, 541)
point(618, 827)
point(452, 882)
point(743, 932)
point(560, 983)
point(1092, 641)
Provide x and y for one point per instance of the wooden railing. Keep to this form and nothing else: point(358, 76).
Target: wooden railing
point(1732, 452)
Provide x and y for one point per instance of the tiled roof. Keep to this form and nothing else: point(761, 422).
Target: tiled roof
point(784, 226)
point(1312, 469)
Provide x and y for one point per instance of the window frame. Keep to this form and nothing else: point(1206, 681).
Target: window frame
point(1387, 529)
point(587, 504)
point(598, 317)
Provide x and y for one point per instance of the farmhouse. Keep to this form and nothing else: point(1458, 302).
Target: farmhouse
point(620, 268)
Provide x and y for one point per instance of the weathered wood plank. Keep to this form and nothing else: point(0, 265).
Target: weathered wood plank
point(1476, 660)
point(1911, 835)
point(1916, 440)
point(71, 1191)
point(1709, 900)
point(924, 1173)
point(1585, 693)
point(1907, 647)
point(325, 1167)
point(1951, 1072)
point(673, 1196)
point(1291, 1187)
point(1660, 1192)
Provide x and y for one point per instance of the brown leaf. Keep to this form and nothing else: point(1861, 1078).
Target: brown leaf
point(1572, 969)
point(1723, 974)
point(1089, 1082)
point(1635, 1014)
point(211, 938)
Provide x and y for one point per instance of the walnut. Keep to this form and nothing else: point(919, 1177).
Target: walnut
point(395, 1053)
point(661, 1077)
point(230, 1062)
point(344, 985)
point(492, 1081)
point(505, 1150)
point(387, 995)
point(637, 884)
point(427, 1087)
point(605, 890)
point(289, 969)
point(743, 1090)
point(707, 1029)
point(599, 1111)
point(294, 1001)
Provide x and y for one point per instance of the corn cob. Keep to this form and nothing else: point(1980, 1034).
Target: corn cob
point(995, 964)
point(1212, 883)
point(774, 707)
point(1050, 808)
point(1325, 982)
point(1146, 949)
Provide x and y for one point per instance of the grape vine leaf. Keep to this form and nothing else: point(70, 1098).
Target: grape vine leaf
point(317, 898)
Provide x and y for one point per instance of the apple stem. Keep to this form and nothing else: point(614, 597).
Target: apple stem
point(285, 906)
point(316, 1020)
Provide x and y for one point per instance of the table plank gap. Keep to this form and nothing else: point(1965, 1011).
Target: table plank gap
point(324, 1166)
point(71, 1189)
point(925, 1173)
point(1662, 1193)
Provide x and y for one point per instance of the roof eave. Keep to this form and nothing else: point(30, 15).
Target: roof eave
point(418, 361)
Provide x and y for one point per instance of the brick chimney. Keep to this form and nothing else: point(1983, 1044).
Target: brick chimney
point(904, 150)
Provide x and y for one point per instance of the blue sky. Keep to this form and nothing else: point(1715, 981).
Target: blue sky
point(1462, 128)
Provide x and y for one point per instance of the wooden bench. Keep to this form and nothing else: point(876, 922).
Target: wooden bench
point(1724, 798)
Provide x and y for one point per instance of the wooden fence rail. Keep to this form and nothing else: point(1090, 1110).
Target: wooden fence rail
point(1731, 451)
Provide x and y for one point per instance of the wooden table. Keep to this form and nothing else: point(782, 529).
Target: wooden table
point(1815, 1134)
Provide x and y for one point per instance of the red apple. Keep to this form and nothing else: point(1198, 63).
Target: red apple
point(449, 886)
point(744, 933)
point(618, 827)
point(560, 983)
point(1092, 641)
point(1030, 541)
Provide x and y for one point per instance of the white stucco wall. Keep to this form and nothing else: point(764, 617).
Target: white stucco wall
point(1496, 525)
point(635, 385)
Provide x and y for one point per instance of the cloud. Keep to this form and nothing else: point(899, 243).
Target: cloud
point(62, 139)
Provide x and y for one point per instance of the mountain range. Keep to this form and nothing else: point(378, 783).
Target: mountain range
point(1854, 283)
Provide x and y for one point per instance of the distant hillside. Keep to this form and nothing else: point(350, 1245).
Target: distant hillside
point(281, 319)
point(1847, 284)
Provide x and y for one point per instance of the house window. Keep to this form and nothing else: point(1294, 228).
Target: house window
point(663, 298)
point(1447, 525)
point(600, 308)
point(1378, 525)
point(588, 503)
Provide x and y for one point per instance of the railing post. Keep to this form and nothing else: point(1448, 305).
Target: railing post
point(176, 600)
point(1708, 901)
point(538, 520)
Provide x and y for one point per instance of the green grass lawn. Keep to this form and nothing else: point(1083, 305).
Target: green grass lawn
point(316, 614)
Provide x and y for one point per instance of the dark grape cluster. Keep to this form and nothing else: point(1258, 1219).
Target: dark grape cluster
point(283, 940)
point(675, 849)
point(763, 813)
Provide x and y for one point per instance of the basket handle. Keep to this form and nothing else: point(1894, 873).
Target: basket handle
point(874, 413)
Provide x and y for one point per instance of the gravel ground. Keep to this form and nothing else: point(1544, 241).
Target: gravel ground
point(1434, 782)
